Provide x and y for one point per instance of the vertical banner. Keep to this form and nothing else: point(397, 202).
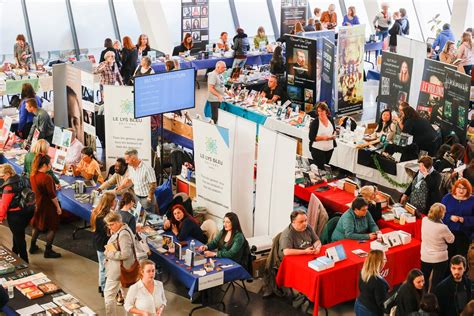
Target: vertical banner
point(327, 73)
point(195, 20)
point(88, 108)
point(453, 116)
point(301, 71)
point(75, 116)
point(350, 74)
point(292, 11)
point(212, 158)
point(431, 98)
point(395, 80)
point(123, 130)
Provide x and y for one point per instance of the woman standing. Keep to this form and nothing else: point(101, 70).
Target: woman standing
point(459, 216)
point(277, 63)
point(184, 225)
point(10, 209)
point(22, 52)
point(466, 52)
point(260, 37)
point(372, 286)
point(350, 18)
point(129, 60)
point(386, 125)
point(435, 237)
point(26, 118)
point(46, 217)
point(229, 242)
point(100, 233)
point(144, 68)
point(142, 45)
point(322, 136)
point(410, 293)
point(126, 204)
point(119, 250)
point(240, 46)
point(109, 47)
point(41, 147)
point(147, 296)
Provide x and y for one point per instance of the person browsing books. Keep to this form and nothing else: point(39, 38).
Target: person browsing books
point(117, 179)
point(125, 206)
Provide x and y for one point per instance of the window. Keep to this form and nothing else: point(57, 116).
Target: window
point(247, 10)
point(361, 13)
point(415, 31)
point(11, 24)
point(432, 16)
point(48, 38)
point(277, 10)
point(220, 20)
point(172, 9)
point(127, 19)
point(93, 24)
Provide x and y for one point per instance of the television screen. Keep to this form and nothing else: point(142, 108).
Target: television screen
point(164, 92)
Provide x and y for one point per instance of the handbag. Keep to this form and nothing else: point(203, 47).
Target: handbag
point(419, 195)
point(391, 301)
point(129, 276)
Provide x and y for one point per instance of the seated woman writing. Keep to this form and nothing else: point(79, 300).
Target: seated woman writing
point(184, 225)
point(88, 167)
point(229, 242)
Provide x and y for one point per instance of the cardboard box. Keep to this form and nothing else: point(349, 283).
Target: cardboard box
point(258, 266)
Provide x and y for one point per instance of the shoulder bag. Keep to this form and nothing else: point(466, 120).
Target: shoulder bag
point(129, 276)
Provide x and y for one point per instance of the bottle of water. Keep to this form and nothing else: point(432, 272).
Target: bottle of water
point(348, 124)
point(192, 246)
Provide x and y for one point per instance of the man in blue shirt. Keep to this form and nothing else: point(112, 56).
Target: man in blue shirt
point(445, 35)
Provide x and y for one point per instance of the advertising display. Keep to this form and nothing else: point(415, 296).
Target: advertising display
point(327, 73)
point(453, 115)
point(88, 92)
point(123, 130)
point(212, 158)
point(301, 71)
point(292, 11)
point(75, 118)
point(432, 89)
point(195, 20)
point(395, 80)
point(350, 71)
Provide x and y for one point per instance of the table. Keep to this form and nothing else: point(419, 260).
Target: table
point(340, 283)
point(373, 75)
point(412, 228)
point(334, 199)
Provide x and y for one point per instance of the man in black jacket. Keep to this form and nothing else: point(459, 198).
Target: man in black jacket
point(454, 292)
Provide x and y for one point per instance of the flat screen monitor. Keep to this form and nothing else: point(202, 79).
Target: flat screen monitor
point(164, 92)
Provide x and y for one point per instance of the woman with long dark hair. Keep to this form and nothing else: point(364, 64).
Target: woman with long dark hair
point(88, 167)
point(410, 293)
point(229, 241)
point(126, 204)
point(143, 46)
point(277, 63)
point(386, 125)
point(183, 225)
point(109, 47)
point(26, 118)
point(424, 136)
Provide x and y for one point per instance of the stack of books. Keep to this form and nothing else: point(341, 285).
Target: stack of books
point(321, 263)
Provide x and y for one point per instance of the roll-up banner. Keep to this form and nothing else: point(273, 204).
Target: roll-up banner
point(327, 73)
point(350, 71)
point(453, 115)
point(301, 71)
point(395, 81)
point(432, 90)
point(195, 20)
point(292, 11)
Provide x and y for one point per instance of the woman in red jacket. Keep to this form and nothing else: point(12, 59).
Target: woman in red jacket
point(10, 209)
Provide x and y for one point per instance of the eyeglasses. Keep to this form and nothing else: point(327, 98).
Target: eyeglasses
point(461, 188)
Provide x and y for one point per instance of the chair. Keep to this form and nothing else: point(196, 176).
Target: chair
point(246, 263)
point(164, 195)
point(328, 230)
point(209, 227)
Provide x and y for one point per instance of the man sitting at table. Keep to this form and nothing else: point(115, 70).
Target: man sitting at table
point(272, 90)
point(299, 238)
point(117, 179)
point(356, 223)
point(41, 122)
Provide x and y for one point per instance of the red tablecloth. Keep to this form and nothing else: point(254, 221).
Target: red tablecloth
point(334, 199)
point(412, 228)
point(340, 283)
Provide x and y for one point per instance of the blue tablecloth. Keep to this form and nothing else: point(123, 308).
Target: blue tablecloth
point(250, 115)
point(373, 75)
point(8, 311)
point(178, 139)
point(179, 270)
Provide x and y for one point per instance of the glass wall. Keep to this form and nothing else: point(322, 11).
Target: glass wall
point(11, 24)
point(172, 10)
point(323, 5)
point(247, 11)
point(127, 19)
point(415, 31)
point(432, 16)
point(220, 20)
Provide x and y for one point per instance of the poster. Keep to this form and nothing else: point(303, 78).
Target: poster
point(395, 81)
point(195, 20)
point(212, 158)
point(326, 73)
point(75, 118)
point(292, 11)
point(431, 97)
point(123, 130)
point(453, 115)
point(88, 94)
point(350, 71)
point(301, 71)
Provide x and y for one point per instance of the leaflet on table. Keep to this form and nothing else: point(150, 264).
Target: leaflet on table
point(62, 137)
point(59, 160)
point(5, 131)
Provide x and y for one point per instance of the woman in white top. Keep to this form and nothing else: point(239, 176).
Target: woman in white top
point(322, 136)
point(466, 52)
point(147, 296)
point(434, 249)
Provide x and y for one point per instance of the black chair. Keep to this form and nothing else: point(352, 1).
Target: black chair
point(246, 263)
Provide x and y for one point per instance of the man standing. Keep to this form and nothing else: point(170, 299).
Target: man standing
point(216, 89)
point(41, 122)
point(143, 179)
point(454, 292)
point(299, 238)
point(404, 21)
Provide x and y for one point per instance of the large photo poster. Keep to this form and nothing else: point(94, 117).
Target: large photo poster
point(431, 97)
point(292, 11)
point(88, 95)
point(195, 20)
point(75, 117)
point(301, 71)
point(395, 80)
point(212, 157)
point(453, 115)
point(350, 72)
point(327, 73)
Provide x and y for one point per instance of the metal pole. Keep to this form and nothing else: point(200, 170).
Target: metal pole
point(73, 29)
point(114, 19)
point(28, 30)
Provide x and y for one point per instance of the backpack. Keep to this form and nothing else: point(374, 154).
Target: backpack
point(24, 198)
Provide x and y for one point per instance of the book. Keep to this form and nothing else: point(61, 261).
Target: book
point(359, 252)
point(321, 263)
point(336, 253)
point(26, 287)
point(6, 267)
point(49, 287)
point(34, 294)
point(68, 303)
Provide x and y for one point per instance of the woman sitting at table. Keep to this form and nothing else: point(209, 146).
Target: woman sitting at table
point(369, 193)
point(88, 167)
point(147, 296)
point(229, 242)
point(410, 293)
point(322, 136)
point(41, 147)
point(143, 47)
point(144, 68)
point(186, 45)
point(373, 288)
point(260, 38)
point(460, 216)
point(424, 135)
point(183, 225)
point(26, 118)
point(386, 125)
point(435, 237)
point(356, 223)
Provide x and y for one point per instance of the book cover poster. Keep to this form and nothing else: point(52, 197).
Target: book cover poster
point(292, 11)
point(350, 72)
point(301, 71)
point(395, 81)
point(326, 69)
point(195, 20)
